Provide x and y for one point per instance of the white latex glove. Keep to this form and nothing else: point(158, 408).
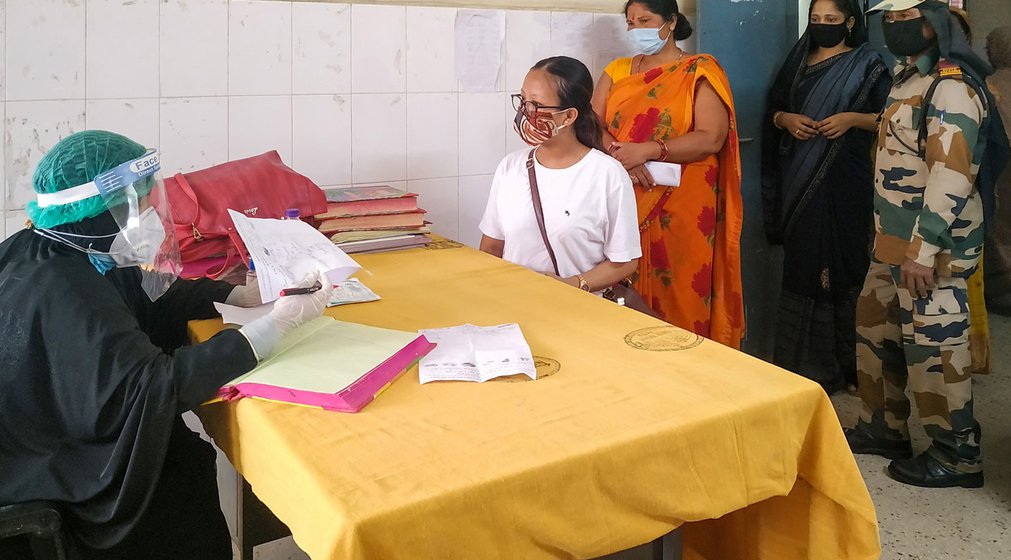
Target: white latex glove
point(246, 296)
point(292, 311)
point(289, 312)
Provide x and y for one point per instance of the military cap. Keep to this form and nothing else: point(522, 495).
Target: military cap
point(895, 5)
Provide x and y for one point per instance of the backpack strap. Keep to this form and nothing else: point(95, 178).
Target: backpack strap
point(928, 98)
point(948, 72)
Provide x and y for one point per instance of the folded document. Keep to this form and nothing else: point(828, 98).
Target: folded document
point(471, 353)
point(667, 174)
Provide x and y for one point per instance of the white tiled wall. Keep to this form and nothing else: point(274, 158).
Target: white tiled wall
point(347, 94)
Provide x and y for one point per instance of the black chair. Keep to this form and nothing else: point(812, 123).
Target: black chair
point(40, 523)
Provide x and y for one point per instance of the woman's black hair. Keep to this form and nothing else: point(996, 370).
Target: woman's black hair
point(574, 86)
point(849, 9)
point(668, 10)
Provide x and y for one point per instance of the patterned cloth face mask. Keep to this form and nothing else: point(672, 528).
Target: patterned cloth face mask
point(539, 129)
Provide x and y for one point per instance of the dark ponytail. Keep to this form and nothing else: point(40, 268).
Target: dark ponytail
point(575, 89)
point(668, 10)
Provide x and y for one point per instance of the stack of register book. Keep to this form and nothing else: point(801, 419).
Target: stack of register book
point(380, 218)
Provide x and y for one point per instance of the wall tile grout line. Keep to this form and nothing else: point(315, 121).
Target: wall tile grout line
point(228, 79)
point(291, 82)
point(3, 126)
point(86, 26)
point(158, 103)
point(351, 87)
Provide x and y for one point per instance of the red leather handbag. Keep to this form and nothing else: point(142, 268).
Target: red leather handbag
point(260, 187)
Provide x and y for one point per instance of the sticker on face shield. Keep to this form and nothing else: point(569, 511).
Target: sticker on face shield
point(128, 173)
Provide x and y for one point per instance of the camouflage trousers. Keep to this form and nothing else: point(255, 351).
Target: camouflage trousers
point(921, 344)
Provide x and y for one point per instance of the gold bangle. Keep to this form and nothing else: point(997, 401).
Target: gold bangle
point(582, 283)
point(775, 119)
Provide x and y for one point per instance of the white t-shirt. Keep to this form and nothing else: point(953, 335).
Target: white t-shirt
point(589, 214)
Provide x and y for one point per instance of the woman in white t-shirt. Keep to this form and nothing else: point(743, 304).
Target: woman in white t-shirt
point(587, 197)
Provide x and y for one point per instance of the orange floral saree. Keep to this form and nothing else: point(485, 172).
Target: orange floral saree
point(690, 270)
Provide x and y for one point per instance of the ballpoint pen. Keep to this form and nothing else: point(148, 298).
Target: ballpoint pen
point(301, 291)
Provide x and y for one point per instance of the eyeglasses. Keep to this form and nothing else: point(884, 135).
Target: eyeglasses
point(531, 107)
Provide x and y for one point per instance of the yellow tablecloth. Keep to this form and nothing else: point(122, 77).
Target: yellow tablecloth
point(618, 447)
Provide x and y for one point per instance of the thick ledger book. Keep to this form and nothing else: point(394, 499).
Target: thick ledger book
point(332, 365)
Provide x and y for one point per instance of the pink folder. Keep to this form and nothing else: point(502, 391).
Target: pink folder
point(349, 398)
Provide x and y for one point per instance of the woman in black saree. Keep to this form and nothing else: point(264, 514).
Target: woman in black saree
point(818, 186)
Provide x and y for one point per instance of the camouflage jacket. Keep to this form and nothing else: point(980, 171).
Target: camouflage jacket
point(927, 208)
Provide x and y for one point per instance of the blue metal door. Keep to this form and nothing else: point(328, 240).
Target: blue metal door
point(751, 38)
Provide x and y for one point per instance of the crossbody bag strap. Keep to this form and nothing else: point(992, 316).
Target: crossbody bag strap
point(535, 194)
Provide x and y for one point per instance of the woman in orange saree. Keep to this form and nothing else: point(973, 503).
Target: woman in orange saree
point(652, 108)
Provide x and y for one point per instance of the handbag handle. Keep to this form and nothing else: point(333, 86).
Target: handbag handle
point(237, 251)
point(187, 190)
point(535, 194)
point(184, 185)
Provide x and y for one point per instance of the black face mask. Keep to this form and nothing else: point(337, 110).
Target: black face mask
point(905, 38)
point(827, 35)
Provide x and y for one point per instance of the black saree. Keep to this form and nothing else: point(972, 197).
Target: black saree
point(818, 203)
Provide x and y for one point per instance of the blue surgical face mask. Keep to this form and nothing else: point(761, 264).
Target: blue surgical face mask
point(102, 263)
point(647, 40)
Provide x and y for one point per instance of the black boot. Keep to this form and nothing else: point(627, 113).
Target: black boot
point(924, 470)
point(861, 443)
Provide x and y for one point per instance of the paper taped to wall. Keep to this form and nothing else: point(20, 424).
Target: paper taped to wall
point(479, 38)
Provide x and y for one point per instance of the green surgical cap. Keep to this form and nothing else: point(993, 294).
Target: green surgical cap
point(73, 161)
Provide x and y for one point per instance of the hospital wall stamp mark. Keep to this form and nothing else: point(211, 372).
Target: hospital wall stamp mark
point(662, 339)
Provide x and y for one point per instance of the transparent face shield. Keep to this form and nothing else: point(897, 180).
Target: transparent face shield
point(135, 196)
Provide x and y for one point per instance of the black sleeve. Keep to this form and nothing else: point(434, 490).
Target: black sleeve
point(193, 299)
point(203, 368)
point(185, 301)
point(879, 93)
point(97, 350)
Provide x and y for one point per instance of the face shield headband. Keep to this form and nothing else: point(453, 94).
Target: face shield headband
point(135, 196)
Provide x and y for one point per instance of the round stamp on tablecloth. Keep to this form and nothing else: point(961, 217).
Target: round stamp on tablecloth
point(546, 367)
point(444, 244)
point(662, 339)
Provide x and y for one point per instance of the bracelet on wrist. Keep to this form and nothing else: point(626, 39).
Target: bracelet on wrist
point(664, 151)
point(775, 119)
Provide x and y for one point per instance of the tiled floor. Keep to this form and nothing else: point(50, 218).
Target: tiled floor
point(955, 523)
point(916, 523)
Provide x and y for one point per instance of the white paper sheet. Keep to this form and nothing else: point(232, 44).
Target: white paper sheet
point(668, 174)
point(572, 34)
point(234, 315)
point(479, 38)
point(351, 291)
point(610, 41)
point(286, 250)
point(471, 353)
